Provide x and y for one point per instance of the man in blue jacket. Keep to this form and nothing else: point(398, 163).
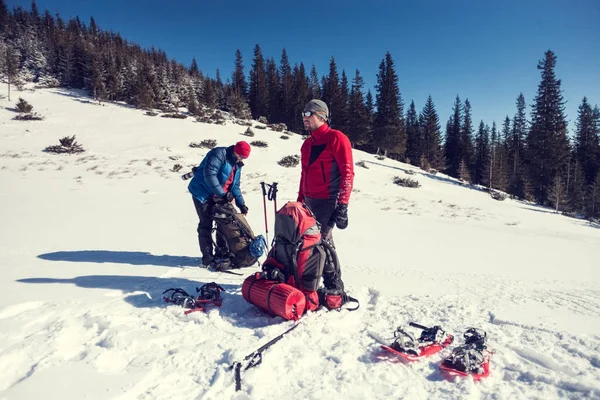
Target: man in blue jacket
point(216, 179)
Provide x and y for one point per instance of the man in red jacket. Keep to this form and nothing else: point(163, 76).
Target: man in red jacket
point(327, 169)
point(325, 187)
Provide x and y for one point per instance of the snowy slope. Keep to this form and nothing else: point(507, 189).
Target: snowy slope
point(88, 243)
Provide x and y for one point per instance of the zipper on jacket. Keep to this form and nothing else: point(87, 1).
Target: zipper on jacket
point(323, 171)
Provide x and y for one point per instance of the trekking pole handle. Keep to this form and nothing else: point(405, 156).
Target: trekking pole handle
point(264, 191)
point(187, 176)
point(414, 324)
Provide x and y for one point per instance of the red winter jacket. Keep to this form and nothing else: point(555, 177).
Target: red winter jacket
point(327, 166)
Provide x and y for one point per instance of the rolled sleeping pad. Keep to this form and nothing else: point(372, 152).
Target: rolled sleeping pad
point(274, 297)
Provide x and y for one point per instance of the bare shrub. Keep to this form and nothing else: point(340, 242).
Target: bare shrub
point(249, 132)
point(205, 144)
point(68, 145)
point(28, 117)
point(406, 182)
point(259, 143)
point(176, 167)
point(174, 115)
point(281, 127)
point(263, 120)
point(362, 164)
point(496, 195)
point(289, 161)
point(151, 113)
point(242, 122)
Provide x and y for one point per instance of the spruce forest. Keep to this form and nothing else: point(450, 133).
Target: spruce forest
point(530, 155)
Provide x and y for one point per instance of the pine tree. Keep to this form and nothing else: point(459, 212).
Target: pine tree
point(359, 127)
point(453, 148)
point(209, 93)
point(300, 94)
point(431, 136)
point(501, 168)
point(370, 105)
point(273, 90)
point(548, 147)
point(593, 199)
point(11, 66)
point(219, 90)
point(191, 101)
point(482, 155)
point(516, 150)
point(315, 87)
point(343, 115)
point(576, 189)
point(586, 142)
point(94, 30)
point(194, 71)
point(495, 169)
point(238, 79)
point(332, 93)
point(466, 136)
point(413, 135)
point(388, 125)
point(95, 82)
point(259, 95)
point(286, 90)
point(4, 16)
point(145, 91)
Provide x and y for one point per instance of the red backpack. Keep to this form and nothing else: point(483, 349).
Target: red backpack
point(298, 255)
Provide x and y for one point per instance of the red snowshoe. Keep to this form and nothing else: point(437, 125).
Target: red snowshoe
point(471, 359)
point(209, 293)
point(431, 341)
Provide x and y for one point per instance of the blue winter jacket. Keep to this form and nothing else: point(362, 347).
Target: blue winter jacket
point(212, 173)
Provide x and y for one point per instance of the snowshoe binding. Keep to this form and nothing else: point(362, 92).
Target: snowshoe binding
point(431, 341)
point(209, 293)
point(470, 359)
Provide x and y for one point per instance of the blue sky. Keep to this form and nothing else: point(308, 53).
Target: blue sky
point(486, 51)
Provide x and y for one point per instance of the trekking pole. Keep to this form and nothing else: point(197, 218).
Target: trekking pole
point(264, 192)
point(274, 196)
point(255, 358)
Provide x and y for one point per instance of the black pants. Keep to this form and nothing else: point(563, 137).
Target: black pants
point(205, 226)
point(323, 210)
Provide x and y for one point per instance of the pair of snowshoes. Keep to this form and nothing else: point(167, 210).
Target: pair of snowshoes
point(470, 359)
point(209, 293)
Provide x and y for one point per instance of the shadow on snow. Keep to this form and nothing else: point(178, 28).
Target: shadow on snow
point(122, 257)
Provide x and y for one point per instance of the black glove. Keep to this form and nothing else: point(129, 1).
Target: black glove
point(272, 273)
point(244, 209)
point(341, 216)
point(227, 197)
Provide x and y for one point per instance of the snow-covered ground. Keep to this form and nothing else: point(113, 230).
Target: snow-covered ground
point(88, 243)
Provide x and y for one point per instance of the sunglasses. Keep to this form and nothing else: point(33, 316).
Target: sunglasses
point(307, 113)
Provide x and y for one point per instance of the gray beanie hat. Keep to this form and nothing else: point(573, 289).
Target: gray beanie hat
point(318, 107)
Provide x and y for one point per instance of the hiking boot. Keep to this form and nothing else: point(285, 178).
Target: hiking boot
point(206, 262)
point(222, 265)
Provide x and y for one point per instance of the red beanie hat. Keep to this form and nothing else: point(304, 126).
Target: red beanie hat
point(242, 149)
